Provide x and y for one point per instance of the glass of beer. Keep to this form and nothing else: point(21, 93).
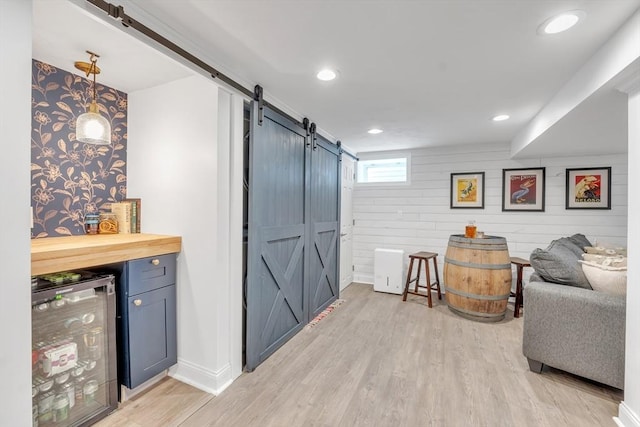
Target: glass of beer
point(470, 230)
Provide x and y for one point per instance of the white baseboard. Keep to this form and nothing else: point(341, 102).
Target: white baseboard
point(213, 382)
point(626, 417)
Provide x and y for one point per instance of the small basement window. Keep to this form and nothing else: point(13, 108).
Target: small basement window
point(383, 170)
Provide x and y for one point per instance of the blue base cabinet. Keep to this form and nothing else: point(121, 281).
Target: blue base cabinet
point(147, 318)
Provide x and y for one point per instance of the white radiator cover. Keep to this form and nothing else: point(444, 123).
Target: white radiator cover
point(387, 271)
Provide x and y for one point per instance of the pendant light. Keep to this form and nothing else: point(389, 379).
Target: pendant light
point(91, 127)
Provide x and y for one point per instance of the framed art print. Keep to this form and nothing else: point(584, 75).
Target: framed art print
point(523, 189)
point(589, 188)
point(467, 190)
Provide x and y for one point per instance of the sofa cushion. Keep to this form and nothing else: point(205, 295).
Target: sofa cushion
point(559, 263)
point(607, 277)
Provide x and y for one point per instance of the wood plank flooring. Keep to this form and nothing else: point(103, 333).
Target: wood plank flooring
point(376, 361)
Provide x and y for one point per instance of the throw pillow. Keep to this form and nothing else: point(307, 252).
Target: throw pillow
point(612, 261)
point(580, 240)
point(600, 250)
point(559, 264)
point(606, 249)
point(569, 244)
point(605, 278)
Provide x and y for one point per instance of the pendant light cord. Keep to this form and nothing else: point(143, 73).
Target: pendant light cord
point(95, 89)
point(92, 70)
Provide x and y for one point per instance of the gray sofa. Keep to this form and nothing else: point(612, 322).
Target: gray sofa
point(567, 325)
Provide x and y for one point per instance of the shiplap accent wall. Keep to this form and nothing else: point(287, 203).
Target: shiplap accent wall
point(417, 216)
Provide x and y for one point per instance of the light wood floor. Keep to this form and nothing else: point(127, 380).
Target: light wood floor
point(376, 361)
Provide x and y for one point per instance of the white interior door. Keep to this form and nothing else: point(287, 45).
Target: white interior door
point(346, 220)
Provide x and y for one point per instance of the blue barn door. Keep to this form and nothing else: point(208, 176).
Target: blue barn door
point(293, 229)
point(276, 288)
point(324, 230)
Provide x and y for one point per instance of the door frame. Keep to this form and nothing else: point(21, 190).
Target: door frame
point(346, 221)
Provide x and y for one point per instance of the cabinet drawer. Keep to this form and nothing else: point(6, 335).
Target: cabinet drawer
point(146, 274)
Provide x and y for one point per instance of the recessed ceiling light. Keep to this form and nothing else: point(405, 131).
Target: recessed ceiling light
point(562, 22)
point(500, 117)
point(326, 75)
point(374, 131)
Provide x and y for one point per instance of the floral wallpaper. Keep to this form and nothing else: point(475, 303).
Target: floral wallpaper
point(70, 179)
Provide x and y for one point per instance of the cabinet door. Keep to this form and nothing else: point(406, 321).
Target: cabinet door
point(152, 334)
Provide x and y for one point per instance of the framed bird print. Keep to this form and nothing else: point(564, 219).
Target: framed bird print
point(523, 190)
point(467, 190)
point(589, 188)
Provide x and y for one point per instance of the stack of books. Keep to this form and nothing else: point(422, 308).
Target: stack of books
point(128, 213)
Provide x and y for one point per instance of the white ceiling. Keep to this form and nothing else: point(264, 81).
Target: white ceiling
point(63, 32)
point(429, 72)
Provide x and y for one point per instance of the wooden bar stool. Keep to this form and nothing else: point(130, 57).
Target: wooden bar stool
point(520, 264)
point(422, 257)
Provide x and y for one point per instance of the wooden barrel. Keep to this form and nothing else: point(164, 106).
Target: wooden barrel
point(477, 277)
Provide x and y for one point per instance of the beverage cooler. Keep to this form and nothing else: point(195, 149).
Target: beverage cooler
point(73, 348)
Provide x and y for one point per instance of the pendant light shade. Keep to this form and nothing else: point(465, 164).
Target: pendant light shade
point(91, 127)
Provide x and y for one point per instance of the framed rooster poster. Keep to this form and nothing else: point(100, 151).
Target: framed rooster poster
point(467, 190)
point(589, 188)
point(523, 189)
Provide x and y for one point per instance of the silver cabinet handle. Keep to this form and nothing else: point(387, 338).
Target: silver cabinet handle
point(137, 302)
point(155, 261)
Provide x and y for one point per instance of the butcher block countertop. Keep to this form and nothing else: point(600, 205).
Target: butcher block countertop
point(54, 254)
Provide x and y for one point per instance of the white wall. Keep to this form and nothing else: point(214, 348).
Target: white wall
point(179, 156)
point(417, 216)
point(629, 411)
point(15, 246)
point(230, 197)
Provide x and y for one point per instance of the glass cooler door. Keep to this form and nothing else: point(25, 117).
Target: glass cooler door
point(73, 349)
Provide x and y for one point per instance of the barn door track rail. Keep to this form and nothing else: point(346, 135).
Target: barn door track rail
point(118, 13)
